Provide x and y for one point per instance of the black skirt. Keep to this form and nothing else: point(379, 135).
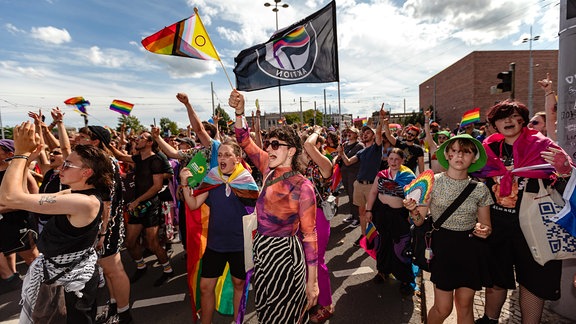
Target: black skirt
point(460, 260)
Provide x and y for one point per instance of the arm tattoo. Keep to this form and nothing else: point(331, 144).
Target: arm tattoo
point(47, 199)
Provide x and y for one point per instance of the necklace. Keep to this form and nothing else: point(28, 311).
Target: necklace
point(508, 158)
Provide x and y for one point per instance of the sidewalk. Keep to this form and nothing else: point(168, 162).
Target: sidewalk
point(510, 310)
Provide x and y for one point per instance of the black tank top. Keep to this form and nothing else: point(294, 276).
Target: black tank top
point(61, 237)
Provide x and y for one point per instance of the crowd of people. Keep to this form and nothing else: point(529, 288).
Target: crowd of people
point(70, 202)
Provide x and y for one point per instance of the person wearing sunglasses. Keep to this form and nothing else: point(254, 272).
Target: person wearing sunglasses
point(538, 122)
point(68, 257)
point(285, 245)
point(414, 152)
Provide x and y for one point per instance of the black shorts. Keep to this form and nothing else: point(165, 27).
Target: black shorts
point(213, 264)
point(510, 254)
point(148, 216)
point(16, 232)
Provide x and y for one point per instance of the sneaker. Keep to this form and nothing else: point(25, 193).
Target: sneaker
point(125, 317)
point(321, 314)
point(10, 284)
point(348, 219)
point(138, 274)
point(485, 320)
point(163, 278)
point(354, 223)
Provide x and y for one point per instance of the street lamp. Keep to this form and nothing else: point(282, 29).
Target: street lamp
point(531, 70)
point(275, 9)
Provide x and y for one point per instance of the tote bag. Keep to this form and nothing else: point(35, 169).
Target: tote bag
point(249, 225)
point(546, 239)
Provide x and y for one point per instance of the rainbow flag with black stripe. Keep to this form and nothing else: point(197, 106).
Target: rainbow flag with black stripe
point(470, 117)
point(122, 107)
point(79, 102)
point(187, 38)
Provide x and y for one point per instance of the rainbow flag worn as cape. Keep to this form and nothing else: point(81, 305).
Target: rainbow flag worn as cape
point(245, 188)
point(122, 107)
point(470, 117)
point(187, 38)
point(79, 102)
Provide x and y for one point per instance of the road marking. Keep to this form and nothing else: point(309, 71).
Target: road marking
point(352, 272)
point(158, 301)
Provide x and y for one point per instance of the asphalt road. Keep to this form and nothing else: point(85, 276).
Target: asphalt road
point(356, 298)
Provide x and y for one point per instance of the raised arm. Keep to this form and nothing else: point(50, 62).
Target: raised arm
point(432, 146)
point(195, 121)
point(65, 147)
point(381, 117)
point(549, 107)
point(386, 124)
point(168, 149)
point(323, 162)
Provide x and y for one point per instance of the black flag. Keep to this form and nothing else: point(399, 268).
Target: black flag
point(305, 52)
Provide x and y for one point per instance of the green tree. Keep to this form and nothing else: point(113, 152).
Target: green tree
point(132, 123)
point(167, 125)
point(8, 131)
point(224, 117)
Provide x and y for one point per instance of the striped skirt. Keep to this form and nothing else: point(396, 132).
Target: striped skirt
point(279, 280)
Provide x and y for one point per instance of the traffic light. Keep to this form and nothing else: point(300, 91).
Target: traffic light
point(506, 84)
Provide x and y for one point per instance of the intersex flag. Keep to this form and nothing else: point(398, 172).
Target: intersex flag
point(79, 102)
point(122, 107)
point(470, 117)
point(305, 52)
point(187, 38)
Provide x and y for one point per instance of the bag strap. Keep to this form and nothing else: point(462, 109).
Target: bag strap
point(455, 204)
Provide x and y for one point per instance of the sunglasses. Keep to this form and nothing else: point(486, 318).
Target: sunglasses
point(56, 153)
point(411, 134)
point(275, 144)
point(68, 165)
point(534, 122)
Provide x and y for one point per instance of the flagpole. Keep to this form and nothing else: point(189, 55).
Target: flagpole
point(212, 45)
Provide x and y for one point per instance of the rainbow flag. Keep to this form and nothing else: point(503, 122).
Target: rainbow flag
point(470, 117)
point(79, 102)
point(122, 107)
point(196, 241)
point(280, 121)
point(187, 38)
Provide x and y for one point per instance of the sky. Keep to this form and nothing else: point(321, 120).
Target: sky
point(56, 49)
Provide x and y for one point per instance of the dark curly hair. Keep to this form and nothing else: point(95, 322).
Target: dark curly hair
point(505, 109)
point(290, 136)
point(99, 162)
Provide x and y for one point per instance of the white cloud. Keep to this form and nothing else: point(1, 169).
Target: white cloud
point(51, 35)
point(13, 29)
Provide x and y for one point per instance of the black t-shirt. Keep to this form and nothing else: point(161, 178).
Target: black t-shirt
point(411, 154)
point(144, 170)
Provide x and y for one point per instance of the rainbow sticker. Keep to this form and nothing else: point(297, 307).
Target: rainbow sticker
point(421, 187)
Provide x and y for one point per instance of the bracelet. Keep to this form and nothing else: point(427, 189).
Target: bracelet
point(368, 210)
point(25, 157)
point(417, 217)
point(238, 115)
point(549, 93)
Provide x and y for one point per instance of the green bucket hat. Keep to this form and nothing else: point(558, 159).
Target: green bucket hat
point(478, 163)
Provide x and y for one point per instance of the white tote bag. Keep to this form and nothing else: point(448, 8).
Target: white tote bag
point(249, 225)
point(546, 239)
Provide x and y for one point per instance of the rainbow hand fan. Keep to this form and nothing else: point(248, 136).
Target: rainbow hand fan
point(421, 187)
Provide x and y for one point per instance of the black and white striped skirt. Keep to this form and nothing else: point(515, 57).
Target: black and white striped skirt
point(280, 280)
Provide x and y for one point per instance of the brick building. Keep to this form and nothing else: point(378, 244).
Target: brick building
point(466, 84)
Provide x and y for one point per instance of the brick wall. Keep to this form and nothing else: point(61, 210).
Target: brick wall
point(466, 84)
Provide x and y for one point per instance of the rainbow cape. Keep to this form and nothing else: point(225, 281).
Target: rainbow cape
point(470, 117)
point(79, 102)
point(122, 107)
point(187, 38)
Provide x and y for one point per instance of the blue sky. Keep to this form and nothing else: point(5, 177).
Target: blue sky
point(56, 49)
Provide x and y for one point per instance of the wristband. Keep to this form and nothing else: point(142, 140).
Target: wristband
point(368, 210)
point(549, 93)
point(25, 157)
point(238, 115)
